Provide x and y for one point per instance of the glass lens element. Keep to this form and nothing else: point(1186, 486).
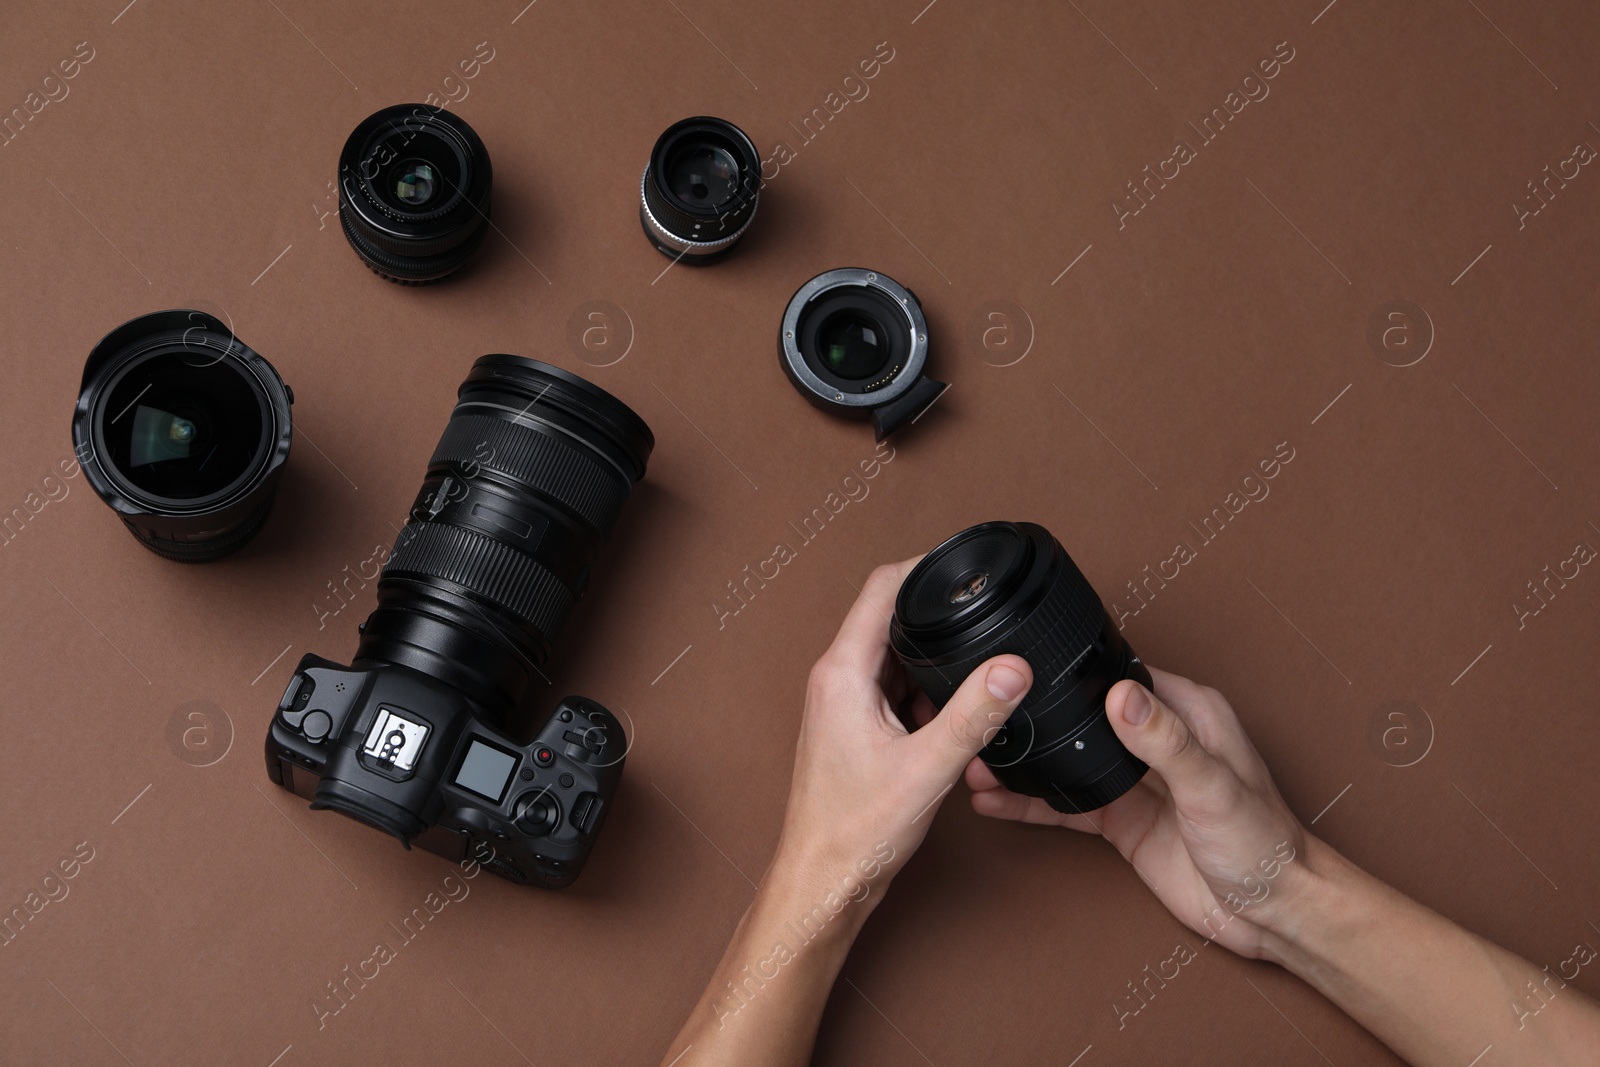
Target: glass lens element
point(853, 344)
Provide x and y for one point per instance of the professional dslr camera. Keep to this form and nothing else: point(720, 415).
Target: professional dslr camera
point(526, 482)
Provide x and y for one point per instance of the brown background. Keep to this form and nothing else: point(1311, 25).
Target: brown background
point(200, 143)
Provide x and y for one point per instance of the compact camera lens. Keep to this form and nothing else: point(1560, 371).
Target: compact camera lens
point(527, 480)
point(855, 342)
point(699, 190)
point(414, 185)
point(1003, 587)
point(183, 431)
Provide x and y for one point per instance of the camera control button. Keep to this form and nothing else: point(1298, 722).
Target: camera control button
point(544, 756)
point(565, 716)
point(566, 781)
point(316, 725)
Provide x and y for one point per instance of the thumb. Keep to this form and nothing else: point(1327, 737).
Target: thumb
point(972, 716)
point(1200, 782)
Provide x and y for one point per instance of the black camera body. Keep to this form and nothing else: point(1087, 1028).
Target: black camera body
point(526, 482)
point(415, 758)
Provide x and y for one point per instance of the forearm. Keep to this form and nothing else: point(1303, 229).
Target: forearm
point(765, 998)
point(1430, 990)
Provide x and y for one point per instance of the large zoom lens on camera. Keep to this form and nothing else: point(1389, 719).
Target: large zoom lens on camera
point(524, 486)
point(183, 431)
point(414, 192)
point(699, 190)
point(1003, 587)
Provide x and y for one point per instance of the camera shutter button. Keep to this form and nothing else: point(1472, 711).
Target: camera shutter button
point(316, 725)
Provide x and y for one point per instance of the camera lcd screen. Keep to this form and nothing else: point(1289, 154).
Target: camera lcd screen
point(486, 770)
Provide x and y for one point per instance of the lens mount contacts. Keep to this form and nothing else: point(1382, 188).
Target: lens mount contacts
point(855, 342)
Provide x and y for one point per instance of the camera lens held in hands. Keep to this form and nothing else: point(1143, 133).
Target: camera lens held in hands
point(1003, 587)
point(183, 431)
point(414, 192)
point(854, 342)
point(413, 738)
point(699, 190)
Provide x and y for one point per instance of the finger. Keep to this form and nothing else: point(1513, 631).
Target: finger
point(979, 776)
point(972, 715)
point(1004, 804)
point(1200, 783)
point(922, 710)
point(1211, 719)
point(863, 637)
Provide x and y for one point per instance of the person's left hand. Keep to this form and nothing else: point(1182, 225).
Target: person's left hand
point(865, 789)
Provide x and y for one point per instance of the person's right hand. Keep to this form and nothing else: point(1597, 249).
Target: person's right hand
point(1205, 828)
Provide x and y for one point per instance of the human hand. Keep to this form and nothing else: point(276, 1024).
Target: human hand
point(1205, 828)
point(865, 789)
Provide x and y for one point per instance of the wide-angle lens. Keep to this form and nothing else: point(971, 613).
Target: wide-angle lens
point(1003, 587)
point(183, 430)
point(414, 184)
point(700, 189)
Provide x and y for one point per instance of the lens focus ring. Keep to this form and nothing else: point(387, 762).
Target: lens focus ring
point(1052, 637)
point(494, 571)
point(559, 470)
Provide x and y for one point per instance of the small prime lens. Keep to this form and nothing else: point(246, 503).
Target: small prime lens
point(1003, 587)
point(183, 430)
point(525, 485)
point(414, 192)
point(699, 190)
point(855, 342)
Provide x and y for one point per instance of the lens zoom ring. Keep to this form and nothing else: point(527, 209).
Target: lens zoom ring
point(540, 461)
point(1051, 638)
point(514, 582)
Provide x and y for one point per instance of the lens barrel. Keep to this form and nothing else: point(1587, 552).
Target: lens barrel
point(699, 190)
point(1002, 587)
point(414, 185)
point(183, 431)
point(526, 483)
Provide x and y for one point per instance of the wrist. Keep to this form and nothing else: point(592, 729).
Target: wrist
point(1323, 896)
point(825, 893)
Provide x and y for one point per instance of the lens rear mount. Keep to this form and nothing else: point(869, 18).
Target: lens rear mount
point(854, 342)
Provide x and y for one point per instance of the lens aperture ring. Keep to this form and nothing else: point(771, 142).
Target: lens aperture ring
point(511, 580)
point(542, 461)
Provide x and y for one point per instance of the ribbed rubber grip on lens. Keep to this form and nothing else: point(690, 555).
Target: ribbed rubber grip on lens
point(1051, 638)
point(495, 572)
point(544, 463)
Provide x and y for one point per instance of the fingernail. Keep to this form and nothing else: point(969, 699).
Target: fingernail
point(1136, 709)
point(1005, 683)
